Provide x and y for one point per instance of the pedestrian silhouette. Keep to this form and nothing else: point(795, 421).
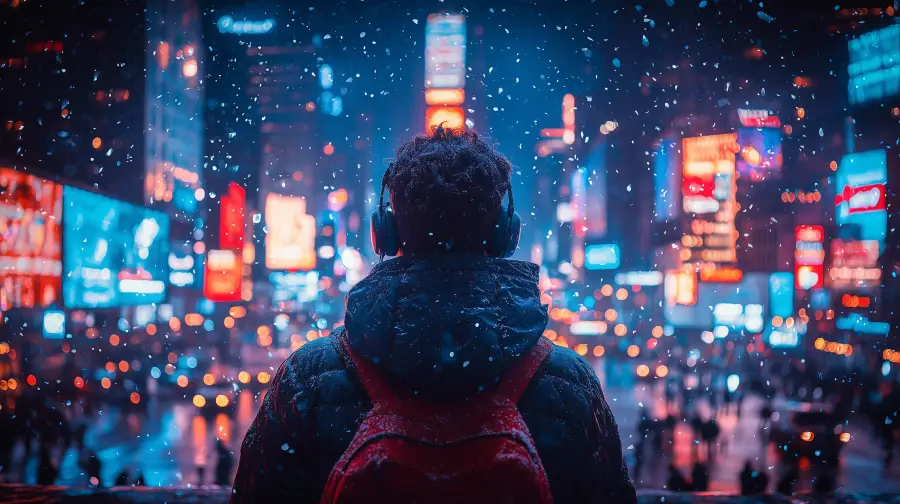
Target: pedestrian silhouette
point(224, 464)
point(47, 470)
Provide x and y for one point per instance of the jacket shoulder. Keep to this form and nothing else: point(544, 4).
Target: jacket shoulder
point(321, 369)
point(565, 367)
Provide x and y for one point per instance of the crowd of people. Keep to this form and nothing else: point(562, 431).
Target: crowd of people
point(862, 399)
point(39, 429)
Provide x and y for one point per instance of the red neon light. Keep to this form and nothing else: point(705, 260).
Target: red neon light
point(231, 221)
point(761, 122)
point(866, 198)
point(222, 276)
point(30, 240)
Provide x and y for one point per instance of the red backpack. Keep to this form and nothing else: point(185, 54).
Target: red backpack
point(413, 451)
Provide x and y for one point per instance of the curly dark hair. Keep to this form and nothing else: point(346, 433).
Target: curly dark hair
point(446, 190)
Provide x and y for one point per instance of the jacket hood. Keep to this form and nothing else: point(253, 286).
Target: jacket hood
point(445, 327)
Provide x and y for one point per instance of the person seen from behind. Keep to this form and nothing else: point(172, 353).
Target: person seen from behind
point(439, 387)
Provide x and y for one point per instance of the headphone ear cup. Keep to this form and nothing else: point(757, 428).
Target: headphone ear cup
point(505, 237)
point(515, 232)
point(383, 229)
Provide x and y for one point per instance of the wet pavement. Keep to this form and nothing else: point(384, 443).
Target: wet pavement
point(169, 441)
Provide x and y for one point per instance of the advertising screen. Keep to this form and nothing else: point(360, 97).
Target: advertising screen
point(708, 189)
point(291, 240)
point(445, 70)
point(666, 180)
point(760, 155)
point(115, 253)
point(860, 184)
point(751, 294)
point(707, 172)
point(222, 276)
point(874, 69)
point(30, 240)
point(445, 51)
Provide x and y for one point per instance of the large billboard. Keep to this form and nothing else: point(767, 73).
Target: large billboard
point(114, 253)
point(760, 156)
point(874, 69)
point(445, 70)
point(860, 187)
point(666, 180)
point(30, 240)
point(291, 236)
point(742, 305)
point(708, 190)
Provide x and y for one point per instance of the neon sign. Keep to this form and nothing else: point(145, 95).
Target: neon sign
point(445, 70)
point(601, 257)
point(228, 24)
point(874, 65)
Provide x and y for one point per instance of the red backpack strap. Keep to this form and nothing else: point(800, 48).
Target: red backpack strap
point(517, 377)
point(379, 390)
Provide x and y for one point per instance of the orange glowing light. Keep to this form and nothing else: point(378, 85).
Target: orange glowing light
point(79, 382)
point(189, 68)
point(228, 322)
point(643, 370)
point(599, 350)
point(657, 332)
point(444, 96)
point(606, 290)
point(620, 330)
point(135, 398)
point(105, 382)
point(222, 400)
point(182, 381)
point(450, 117)
point(807, 436)
point(263, 377)
point(123, 366)
point(114, 339)
point(633, 351)
point(581, 349)
point(97, 142)
point(31, 380)
point(151, 329)
point(199, 401)
point(662, 371)
point(328, 149)
point(244, 377)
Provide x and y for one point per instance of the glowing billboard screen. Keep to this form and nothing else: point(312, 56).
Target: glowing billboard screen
point(666, 180)
point(115, 253)
point(291, 239)
point(874, 68)
point(760, 156)
point(602, 257)
point(30, 240)
point(716, 304)
point(708, 190)
point(445, 70)
point(222, 276)
point(861, 184)
point(445, 51)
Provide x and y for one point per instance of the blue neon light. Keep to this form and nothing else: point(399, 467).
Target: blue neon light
point(227, 24)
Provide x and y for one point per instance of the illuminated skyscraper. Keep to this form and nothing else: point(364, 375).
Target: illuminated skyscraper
point(65, 111)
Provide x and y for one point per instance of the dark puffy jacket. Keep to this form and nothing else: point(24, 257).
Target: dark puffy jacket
point(443, 328)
